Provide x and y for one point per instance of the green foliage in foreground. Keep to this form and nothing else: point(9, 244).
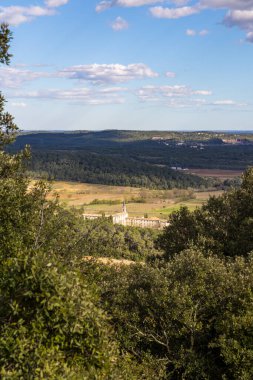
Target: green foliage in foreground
point(194, 315)
point(223, 225)
point(51, 322)
point(103, 238)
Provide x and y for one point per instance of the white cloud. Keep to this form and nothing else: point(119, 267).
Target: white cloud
point(147, 93)
point(229, 4)
point(228, 102)
point(192, 32)
point(108, 73)
point(136, 3)
point(239, 12)
point(119, 24)
point(241, 18)
point(14, 77)
point(170, 74)
point(173, 13)
point(204, 32)
point(89, 96)
point(105, 4)
point(249, 37)
point(19, 104)
point(111, 90)
point(55, 3)
point(181, 96)
point(202, 92)
point(15, 15)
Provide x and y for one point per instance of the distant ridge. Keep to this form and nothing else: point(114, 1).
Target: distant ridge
point(225, 131)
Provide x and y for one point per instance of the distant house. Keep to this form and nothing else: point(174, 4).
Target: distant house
point(123, 219)
point(157, 138)
point(232, 141)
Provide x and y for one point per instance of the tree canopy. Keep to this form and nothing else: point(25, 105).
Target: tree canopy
point(51, 323)
point(193, 315)
point(223, 225)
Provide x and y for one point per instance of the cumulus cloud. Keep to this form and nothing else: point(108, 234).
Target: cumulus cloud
point(239, 12)
point(190, 32)
point(151, 93)
point(119, 24)
point(16, 76)
point(13, 77)
point(193, 33)
point(170, 74)
point(203, 32)
point(249, 37)
point(241, 18)
point(229, 4)
point(173, 13)
point(103, 5)
point(15, 15)
point(181, 96)
point(55, 3)
point(89, 96)
point(108, 73)
point(18, 104)
point(136, 3)
point(228, 102)
point(106, 4)
point(202, 92)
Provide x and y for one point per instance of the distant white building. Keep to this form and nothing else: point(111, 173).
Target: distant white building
point(125, 220)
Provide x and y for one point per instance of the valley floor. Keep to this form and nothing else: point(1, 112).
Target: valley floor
point(108, 199)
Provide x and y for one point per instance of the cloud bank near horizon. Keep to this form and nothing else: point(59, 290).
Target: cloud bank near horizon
point(103, 86)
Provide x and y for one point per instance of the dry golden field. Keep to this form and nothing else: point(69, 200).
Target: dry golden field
point(155, 203)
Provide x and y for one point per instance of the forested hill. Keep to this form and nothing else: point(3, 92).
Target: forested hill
point(134, 158)
point(101, 157)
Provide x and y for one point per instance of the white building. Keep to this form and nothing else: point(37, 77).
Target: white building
point(125, 220)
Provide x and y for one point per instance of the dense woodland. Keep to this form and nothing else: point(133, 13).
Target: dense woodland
point(182, 310)
point(134, 158)
point(109, 170)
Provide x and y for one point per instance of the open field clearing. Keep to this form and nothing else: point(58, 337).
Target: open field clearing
point(154, 203)
point(216, 173)
point(76, 193)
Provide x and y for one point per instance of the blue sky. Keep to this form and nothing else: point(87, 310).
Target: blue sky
point(130, 64)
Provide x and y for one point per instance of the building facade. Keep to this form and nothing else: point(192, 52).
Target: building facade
point(125, 220)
